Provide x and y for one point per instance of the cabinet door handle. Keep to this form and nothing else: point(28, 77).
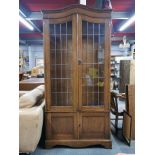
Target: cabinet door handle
point(79, 61)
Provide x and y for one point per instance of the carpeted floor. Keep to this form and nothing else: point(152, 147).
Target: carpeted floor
point(118, 145)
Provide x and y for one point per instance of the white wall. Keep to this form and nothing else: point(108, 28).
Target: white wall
point(33, 51)
point(24, 53)
point(115, 50)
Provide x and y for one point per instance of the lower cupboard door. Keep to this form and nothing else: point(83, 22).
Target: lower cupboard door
point(61, 126)
point(94, 126)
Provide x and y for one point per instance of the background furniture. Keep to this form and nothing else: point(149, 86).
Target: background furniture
point(115, 73)
point(20, 76)
point(127, 74)
point(38, 70)
point(77, 49)
point(30, 126)
point(130, 106)
point(39, 62)
point(31, 83)
point(127, 124)
point(115, 110)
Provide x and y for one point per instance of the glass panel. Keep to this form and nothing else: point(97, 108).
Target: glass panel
point(84, 27)
point(90, 28)
point(57, 28)
point(64, 40)
point(92, 64)
point(51, 28)
point(69, 28)
point(96, 29)
point(102, 28)
point(61, 67)
point(63, 28)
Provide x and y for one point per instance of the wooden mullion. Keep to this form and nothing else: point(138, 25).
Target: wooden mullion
point(74, 62)
point(79, 43)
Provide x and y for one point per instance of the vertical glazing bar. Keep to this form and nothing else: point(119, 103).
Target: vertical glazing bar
point(86, 64)
point(93, 68)
point(61, 66)
point(55, 64)
point(68, 65)
point(98, 64)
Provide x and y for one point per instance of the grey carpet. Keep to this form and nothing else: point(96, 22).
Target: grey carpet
point(118, 146)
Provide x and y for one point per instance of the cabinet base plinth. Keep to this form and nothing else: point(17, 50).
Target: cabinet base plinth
point(78, 143)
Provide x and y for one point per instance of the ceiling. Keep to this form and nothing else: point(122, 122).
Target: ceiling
point(32, 10)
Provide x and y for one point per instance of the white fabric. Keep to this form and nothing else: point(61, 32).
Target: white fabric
point(30, 119)
point(30, 127)
point(29, 99)
point(22, 92)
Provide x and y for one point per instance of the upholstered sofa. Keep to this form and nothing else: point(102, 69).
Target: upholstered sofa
point(31, 106)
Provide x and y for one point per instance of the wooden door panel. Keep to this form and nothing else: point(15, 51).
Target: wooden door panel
point(93, 125)
point(61, 126)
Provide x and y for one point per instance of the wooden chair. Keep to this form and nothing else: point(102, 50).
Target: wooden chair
point(20, 76)
point(115, 109)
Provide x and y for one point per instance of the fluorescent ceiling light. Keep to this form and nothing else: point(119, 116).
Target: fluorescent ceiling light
point(83, 2)
point(26, 23)
point(124, 18)
point(129, 22)
point(22, 13)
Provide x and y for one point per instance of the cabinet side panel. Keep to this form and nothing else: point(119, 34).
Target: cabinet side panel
point(46, 63)
point(107, 64)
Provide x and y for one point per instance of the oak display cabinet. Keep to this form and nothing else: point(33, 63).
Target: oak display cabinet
point(77, 44)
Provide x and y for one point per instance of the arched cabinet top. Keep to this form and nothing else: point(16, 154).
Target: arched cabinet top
point(77, 9)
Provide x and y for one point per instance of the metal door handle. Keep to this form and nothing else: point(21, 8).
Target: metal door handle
point(79, 61)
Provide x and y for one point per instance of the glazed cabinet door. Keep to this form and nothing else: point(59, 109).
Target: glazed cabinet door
point(93, 58)
point(60, 74)
point(94, 75)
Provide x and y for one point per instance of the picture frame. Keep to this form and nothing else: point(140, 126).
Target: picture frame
point(39, 62)
point(127, 126)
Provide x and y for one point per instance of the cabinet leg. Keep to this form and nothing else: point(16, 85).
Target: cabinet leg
point(116, 124)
